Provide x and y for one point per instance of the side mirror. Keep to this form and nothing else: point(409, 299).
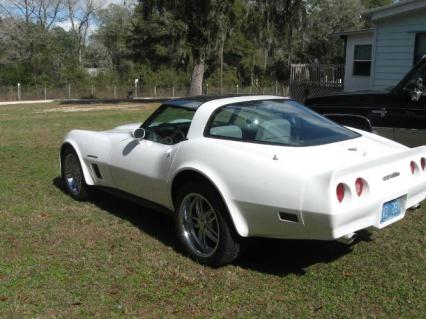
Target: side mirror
point(416, 91)
point(139, 133)
point(416, 94)
point(419, 84)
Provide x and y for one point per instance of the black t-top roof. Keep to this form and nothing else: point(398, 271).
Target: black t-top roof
point(195, 101)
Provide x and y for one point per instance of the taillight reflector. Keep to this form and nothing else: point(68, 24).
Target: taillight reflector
point(340, 192)
point(359, 186)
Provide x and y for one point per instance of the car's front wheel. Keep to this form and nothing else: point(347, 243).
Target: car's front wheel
point(72, 175)
point(203, 227)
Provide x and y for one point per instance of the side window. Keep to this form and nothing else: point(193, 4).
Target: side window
point(169, 125)
point(224, 124)
point(275, 122)
point(362, 60)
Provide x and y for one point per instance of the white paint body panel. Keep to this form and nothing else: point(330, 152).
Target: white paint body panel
point(258, 181)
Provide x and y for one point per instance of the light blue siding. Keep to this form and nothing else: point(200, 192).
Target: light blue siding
point(394, 48)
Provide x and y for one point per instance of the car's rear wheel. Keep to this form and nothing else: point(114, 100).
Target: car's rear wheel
point(203, 227)
point(72, 175)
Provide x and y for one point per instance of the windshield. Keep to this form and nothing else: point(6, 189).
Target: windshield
point(277, 122)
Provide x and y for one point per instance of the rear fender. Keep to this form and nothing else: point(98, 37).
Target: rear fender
point(240, 224)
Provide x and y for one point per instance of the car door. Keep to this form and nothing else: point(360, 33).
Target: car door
point(142, 166)
point(410, 126)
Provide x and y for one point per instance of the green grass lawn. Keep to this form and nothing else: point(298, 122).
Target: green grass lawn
point(110, 258)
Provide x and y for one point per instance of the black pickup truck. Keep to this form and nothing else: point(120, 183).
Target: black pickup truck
point(398, 113)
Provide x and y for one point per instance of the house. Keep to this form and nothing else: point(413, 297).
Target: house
point(378, 58)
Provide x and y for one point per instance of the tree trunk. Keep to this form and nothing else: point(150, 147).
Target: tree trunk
point(80, 55)
point(221, 66)
point(290, 44)
point(196, 87)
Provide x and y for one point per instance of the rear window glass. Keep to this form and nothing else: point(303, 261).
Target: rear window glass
point(278, 122)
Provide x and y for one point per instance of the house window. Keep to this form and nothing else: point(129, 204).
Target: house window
point(420, 46)
point(362, 60)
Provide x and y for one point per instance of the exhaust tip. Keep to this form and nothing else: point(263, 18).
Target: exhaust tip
point(347, 239)
point(417, 206)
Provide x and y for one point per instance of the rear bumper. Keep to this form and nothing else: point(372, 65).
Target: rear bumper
point(350, 220)
point(264, 221)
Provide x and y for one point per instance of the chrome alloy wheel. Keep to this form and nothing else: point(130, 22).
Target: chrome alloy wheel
point(72, 174)
point(200, 225)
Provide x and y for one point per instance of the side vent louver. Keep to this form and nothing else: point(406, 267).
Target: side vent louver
point(97, 171)
point(288, 217)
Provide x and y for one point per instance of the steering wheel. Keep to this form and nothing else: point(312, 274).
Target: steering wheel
point(177, 134)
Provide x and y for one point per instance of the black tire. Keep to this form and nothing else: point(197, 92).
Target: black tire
point(72, 175)
point(208, 251)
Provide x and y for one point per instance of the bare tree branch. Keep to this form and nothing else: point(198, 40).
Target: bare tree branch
point(80, 13)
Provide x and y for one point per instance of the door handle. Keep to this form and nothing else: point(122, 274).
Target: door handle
point(382, 112)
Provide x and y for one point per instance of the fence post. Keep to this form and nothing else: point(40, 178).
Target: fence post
point(136, 87)
point(276, 87)
point(19, 91)
point(45, 92)
point(92, 92)
point(69, 91)
point(207, 89)
point(173, 91)
point(115, 92)
point(237, 86)
point(155, 91)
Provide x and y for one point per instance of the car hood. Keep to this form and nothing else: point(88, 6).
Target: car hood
point(125, 128)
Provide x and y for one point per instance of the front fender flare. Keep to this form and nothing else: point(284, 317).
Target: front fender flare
point(86, 171)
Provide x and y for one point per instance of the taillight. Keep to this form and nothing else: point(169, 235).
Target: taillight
point(340, 192)
point(412, 167)
point(359, 186)
point(423, 163)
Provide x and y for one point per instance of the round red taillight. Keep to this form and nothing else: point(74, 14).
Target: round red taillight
point(359, 186)
point(412, 167)
point(340, 192)
point(423, 163)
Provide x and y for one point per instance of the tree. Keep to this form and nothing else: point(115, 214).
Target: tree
point(44, 13)
point(370, 4)
point(80, 14)
point(325, 19)
point(112, 33)
point(201, 26)
point(175, 42)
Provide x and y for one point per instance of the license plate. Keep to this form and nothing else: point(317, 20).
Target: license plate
point(390, 210)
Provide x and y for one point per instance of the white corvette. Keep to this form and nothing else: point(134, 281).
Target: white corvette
point(235, 167)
